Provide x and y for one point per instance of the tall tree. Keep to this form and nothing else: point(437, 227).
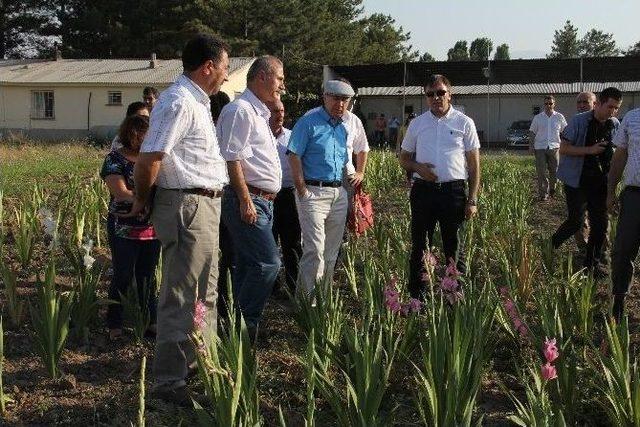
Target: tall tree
point(565, 42)
point(427, 57)
point(26, 27)
point(480, 49)
point(502, 53)
point(459, 52)
point(633, 50)
point(383, 41)
point(598, 43)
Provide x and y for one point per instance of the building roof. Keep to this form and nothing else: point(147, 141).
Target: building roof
point(507, 89)
point(517, 71)
point(120, 72)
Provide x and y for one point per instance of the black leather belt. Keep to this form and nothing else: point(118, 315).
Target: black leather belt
point(446, 186)
point(333, 184)
point(212, 194)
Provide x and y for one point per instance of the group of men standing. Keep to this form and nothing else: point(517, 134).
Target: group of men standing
point(589, 155)
point(263, 181)
point(268, 184)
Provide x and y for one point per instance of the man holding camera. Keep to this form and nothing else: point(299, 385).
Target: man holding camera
point(585, 157)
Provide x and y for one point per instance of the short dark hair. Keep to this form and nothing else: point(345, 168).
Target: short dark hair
point(609, 93)
point(150, 90)
point(130, 125)
point(202, 48)
point(550, 98)
point(437, 78)
point(263, 63)
point(134, 107)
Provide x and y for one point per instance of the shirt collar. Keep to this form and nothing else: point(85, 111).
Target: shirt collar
point(255, 102)
point(446, 116)
point(328, 118)
point(195, 90)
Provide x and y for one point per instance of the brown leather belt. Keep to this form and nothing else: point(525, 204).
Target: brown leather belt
point(212, 194)
point(261, 193)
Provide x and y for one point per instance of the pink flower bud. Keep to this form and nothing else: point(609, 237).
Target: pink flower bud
point(550, 350)
point(199, 314)
point(548, 372)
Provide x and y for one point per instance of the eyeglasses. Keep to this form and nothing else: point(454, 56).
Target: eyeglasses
point(439, 92)
point(548, 103)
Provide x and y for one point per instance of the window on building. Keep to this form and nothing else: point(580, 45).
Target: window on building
point(114, 98)
point(42, 104)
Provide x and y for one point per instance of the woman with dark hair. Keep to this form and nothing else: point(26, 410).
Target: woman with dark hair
point(134, 247)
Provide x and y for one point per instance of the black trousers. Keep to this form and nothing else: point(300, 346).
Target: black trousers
point(627, 242)
point(286, 231)
point(433, 204)
point(591, 197)
point(133, 258)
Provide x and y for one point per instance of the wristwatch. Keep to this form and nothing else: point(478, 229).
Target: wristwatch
point(472, 202)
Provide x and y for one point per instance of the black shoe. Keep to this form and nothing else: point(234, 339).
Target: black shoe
point(179, 396)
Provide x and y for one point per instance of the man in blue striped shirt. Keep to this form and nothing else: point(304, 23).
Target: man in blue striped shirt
point(318, 155)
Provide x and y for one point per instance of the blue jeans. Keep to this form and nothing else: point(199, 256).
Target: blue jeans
point(256, 257)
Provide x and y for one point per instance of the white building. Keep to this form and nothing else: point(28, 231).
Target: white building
point(76, 98)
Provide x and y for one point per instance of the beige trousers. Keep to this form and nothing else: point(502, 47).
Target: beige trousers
point(187, 227)
point(546, 161)
point(322, 213)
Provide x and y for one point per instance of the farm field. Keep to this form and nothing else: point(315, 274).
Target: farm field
point(363, 356)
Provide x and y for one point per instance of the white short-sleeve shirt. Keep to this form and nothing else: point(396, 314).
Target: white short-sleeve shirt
point(547, 130)
point(181, 127)
point(628, 136)
point(283, 143)
point(244, 135)
point(442, 142)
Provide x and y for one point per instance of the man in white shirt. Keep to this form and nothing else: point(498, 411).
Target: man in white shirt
point(286, 226)
point(251, 152)
point(447, 157)
point(545, 136)
point(181, 156)
point(625, 159)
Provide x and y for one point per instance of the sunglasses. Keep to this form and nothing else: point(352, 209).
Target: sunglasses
point(440, 93)
point(548, 103)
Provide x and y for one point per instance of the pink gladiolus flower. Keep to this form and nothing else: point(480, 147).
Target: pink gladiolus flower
point(429, 259)
point(523, 331)
point(517, 323)
point(549, 372)
point(404, 309)
point(504, 291)
point(449, 284)
point(550, 350)
point(509, 306)
point(394, 305)
point(414, 305)
point(199, 314)
point(451, 270)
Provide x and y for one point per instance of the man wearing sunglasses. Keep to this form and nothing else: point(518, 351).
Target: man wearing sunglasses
point(545, 143)
point(447, 158)
point(318, 155)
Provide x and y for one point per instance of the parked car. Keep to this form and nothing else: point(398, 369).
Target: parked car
point(518, 133)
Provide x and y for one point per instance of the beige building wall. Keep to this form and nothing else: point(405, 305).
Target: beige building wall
point(80, 110)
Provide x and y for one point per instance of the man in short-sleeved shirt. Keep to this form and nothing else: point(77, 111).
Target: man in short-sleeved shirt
point(585, 155)
point(180, 155)
point(318, 156)
point(546, 127)
point(627, 241)
point(250, 149)
point(447, 156)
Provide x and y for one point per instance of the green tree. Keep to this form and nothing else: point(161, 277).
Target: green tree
point(598, 43)
point(427, 57)
point(458, 52)
point(480, 49)
point(565, 42)
point(26, 27)
point(633, 50)
point(383, 42)
point(502, 53)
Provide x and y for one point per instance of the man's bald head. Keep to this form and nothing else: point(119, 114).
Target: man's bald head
point(585, 101)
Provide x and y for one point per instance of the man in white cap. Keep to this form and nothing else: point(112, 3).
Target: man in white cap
point(318, 154)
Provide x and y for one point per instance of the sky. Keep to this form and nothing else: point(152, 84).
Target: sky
point(526, 26)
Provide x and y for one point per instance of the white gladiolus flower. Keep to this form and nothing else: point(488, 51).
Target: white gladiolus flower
point(87, 246)
point(88, 261)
